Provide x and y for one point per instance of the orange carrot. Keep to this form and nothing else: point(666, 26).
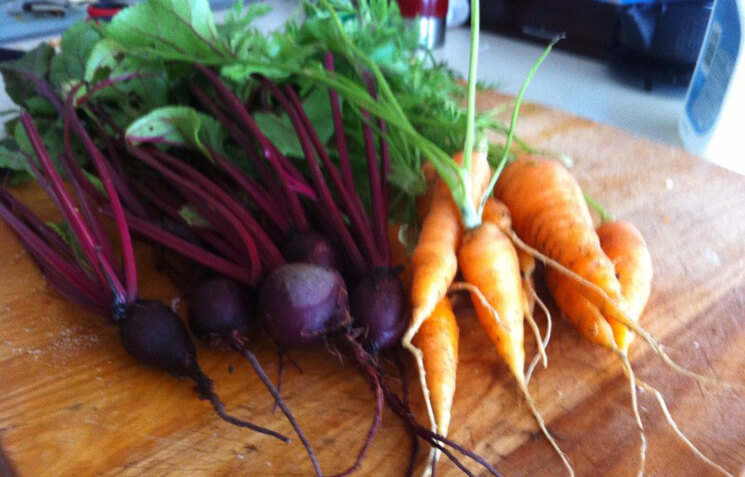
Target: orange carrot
point(625, 246)
point(550, 214)
point(433, 267)
point(434, 262)
point(438, 340)
point(603, 297)
point(497, 213)
point(489, 262)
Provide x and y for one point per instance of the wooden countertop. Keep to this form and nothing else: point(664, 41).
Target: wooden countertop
point(73, 403)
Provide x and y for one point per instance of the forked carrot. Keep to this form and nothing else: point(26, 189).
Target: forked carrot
point(550, 214)
point(434, 265)
point(628, 251)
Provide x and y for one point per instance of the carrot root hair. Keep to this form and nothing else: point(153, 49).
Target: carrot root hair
point(674, 426)
point(542, 424)
point(546, 338)
point(621, 316)
point(464, 286)
point(629, 372)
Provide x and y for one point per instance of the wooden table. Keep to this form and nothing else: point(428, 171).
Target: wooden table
point(73, 403)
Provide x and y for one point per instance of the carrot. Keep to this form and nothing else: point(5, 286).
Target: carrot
point(489, 262)
point(438, 341)
point(550, 214)
point(434, 262)
point(497, 213)
point(433, 267)
point(625, 246)
point(602, 287)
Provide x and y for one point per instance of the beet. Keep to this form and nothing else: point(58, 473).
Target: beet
point(378, 307)
point(301, 304)
point(220, 311)
point(155, 335)
point(310, 247)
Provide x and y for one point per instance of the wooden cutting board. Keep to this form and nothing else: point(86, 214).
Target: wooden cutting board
point(73, 403)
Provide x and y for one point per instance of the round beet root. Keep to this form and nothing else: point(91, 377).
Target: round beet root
point(220, 311)
point(301, 303)
point(378, 306)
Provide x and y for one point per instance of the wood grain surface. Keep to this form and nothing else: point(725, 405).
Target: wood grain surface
point(72, 403)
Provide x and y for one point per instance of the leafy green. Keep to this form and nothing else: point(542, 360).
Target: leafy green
point(279, 130)
point(139, 68)
point(176, 29)
point(178, 125)
point(192, 217)
point(37, 62)
point(76, 46)
point(13, 162)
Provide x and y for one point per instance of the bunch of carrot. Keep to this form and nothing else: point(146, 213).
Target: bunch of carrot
point(600, 279)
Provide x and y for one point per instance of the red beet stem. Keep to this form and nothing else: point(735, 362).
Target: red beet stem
point(290, 180)
point(75, 178)
point(352, 203)
point(381, 186)
point(66, 271)
point(269, 252)
point(258, 194)
point(188, 249)
point(235, 131)
point(332, 213)
point(379, 213)
point(44, 89)
point(281, 164)
point(108, 83)
point(341, 138)
point(102, 166)
point(175, 178)
point(69, 209)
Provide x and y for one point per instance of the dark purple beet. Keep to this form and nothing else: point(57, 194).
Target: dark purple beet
point(378, 306)
point(301, 303)
point(310, 247)
point(154, 335)
point(220, 310)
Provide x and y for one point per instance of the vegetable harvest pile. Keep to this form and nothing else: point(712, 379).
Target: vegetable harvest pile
point(322, 185)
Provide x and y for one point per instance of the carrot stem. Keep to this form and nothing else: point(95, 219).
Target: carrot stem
point(513, 121)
